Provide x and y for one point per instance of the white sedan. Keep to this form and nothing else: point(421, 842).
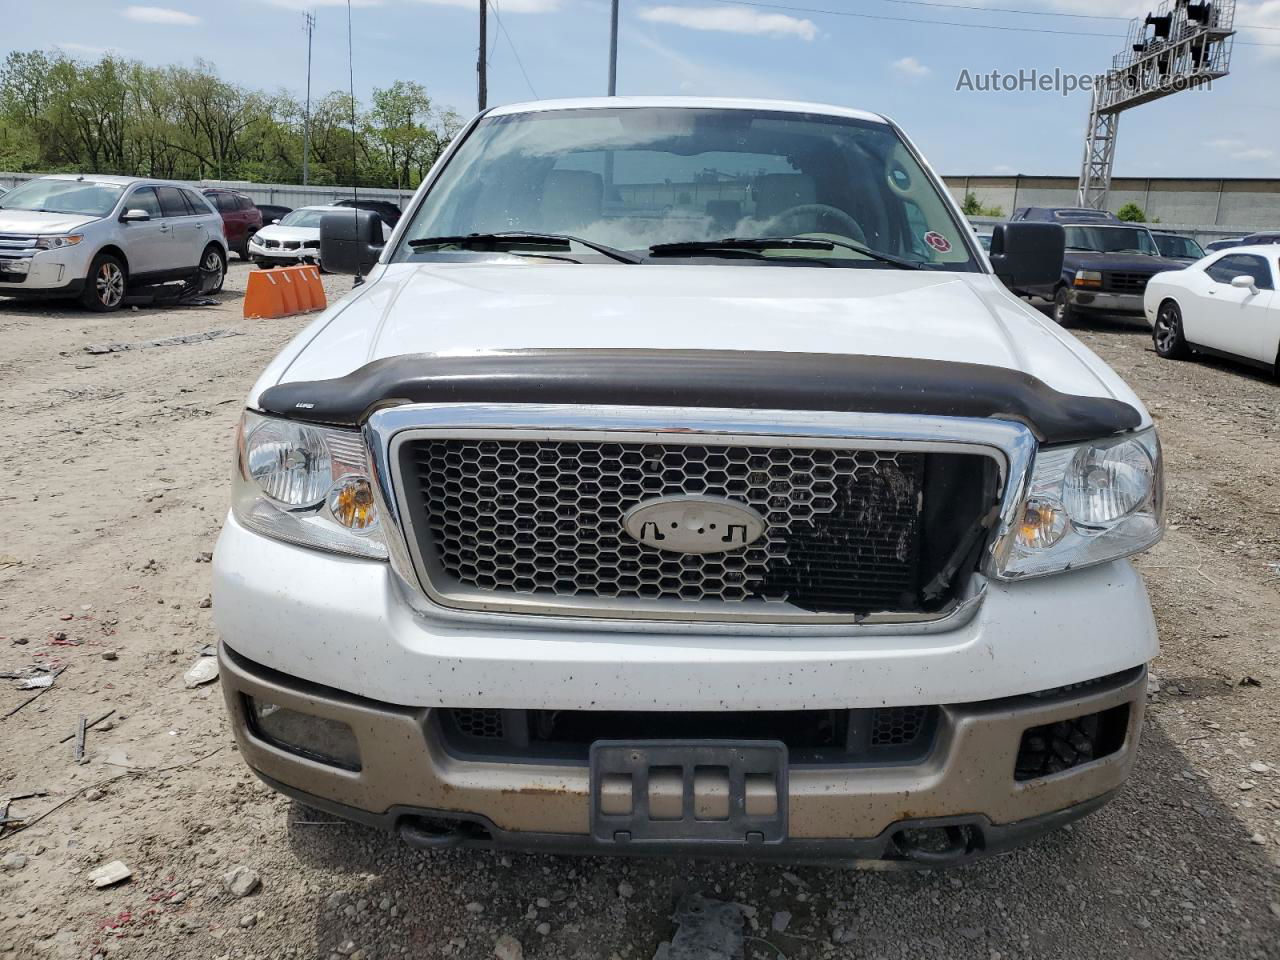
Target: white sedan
point(291, 240)
point(1225, 304)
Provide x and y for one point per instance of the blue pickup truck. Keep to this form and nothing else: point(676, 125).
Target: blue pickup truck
point(1106, 266)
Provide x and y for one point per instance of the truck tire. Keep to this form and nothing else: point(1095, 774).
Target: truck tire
point(1166, 332)
point(105, 285)
point(1064, 314)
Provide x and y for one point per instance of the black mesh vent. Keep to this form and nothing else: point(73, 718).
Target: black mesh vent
point(897, 726)
point(545, 518)
point(479, 723)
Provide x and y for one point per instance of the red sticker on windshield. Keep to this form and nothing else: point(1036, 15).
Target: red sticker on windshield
point(936, 240)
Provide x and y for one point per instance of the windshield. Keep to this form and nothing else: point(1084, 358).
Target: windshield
point(63, 196)
point(1180, 247)
point(304, 218)
point(1111, 240)
point(633, 177)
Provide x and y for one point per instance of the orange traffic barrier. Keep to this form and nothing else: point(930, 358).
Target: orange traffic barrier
point(284, 291)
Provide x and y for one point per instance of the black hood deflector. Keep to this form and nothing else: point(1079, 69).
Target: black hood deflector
point(706, 378)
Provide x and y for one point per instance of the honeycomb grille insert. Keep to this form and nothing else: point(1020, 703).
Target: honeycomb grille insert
point(486, 724)
point(544, 518)
point(897, 726)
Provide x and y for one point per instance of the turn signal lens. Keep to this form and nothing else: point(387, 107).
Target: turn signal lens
point(351, 503)
point(1087, 278)
point(1043, 524)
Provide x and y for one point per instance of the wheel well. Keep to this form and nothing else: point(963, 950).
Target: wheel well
point(118, 254)
point(1169, 300)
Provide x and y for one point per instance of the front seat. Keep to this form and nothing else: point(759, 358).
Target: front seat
point(571, 200)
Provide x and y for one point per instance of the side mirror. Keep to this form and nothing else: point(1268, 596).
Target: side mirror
point(1027, 253)
point(350, 242)
point(134, 216)
point(1244, 282)
point(276, 220)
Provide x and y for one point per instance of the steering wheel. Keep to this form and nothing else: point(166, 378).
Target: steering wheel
point(852, 228)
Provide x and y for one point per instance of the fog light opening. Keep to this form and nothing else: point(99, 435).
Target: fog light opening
point(321, 739)
point(1058, 747)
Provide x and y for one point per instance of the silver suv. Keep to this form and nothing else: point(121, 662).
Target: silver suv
point(93, 237)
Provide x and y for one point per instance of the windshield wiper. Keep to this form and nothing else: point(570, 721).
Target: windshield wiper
point(730, 244)
point(514, 238)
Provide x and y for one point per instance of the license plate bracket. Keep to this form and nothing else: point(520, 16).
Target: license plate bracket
point(688, 792)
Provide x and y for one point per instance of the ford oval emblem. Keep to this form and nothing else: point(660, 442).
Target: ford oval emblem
point(694, 524)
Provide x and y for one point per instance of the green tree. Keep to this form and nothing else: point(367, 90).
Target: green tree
point(120, 116)
point(971, 206)
point(1132, 213)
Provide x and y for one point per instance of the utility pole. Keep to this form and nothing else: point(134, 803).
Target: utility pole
point(482, 68)
point(310, 20)
point(613, 50)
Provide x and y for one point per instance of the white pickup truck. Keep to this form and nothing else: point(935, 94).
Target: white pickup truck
point(683, 478)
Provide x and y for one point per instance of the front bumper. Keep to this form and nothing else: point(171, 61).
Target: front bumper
point(281, 257)
point(408, 781)
point(349, 624)
point(1106, 302)
point(43, 275)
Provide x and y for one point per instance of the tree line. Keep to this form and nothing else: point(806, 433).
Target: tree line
point(59, 114)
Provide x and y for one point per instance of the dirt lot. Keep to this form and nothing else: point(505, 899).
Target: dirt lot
point(112, 489)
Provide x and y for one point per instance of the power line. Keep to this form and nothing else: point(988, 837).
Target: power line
point(1039, 13)
point(514, 52)
point(953, 23)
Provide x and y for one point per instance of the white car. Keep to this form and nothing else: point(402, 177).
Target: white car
point(1225, 304)
point(96, 237)
point(293, 239)
point(579, 527)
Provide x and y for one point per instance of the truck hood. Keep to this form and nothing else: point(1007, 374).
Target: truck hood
point(1129, 262)
point(450, 309)
point(35, 222)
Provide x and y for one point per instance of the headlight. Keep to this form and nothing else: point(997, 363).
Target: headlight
point(255, 239)
point(56, 243)
point(1086, 503)
point(308, 485)
point(1087, 278)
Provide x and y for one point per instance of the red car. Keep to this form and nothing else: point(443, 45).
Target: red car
point(241, 219)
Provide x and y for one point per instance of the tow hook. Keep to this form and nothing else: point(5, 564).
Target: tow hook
point(938, 846)
point(435, 835)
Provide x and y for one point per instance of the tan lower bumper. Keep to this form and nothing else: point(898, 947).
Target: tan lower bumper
point(968, 772)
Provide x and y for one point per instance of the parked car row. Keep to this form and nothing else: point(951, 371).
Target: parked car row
point(1216, 300)
point(1224, 304)
point(100, 238)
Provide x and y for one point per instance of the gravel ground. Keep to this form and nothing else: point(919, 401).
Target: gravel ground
point(112, 489)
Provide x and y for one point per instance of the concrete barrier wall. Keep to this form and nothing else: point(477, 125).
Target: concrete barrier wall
point(1234, 206)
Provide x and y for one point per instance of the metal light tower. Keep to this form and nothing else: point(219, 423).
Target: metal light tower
point(1189, 45)
point(309, 19)
point(613, 49)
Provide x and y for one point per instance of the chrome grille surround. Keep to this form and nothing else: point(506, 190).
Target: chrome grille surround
point(545, 518)
point(1010, 444)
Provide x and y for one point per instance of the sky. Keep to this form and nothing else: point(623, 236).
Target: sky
point(914, 72)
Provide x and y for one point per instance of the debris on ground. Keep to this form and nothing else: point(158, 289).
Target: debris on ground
point(508, 948)
point(163, 342)
point(202, 671)
point(241, 881)
point(705, 930)
point(109, 874)
point(90, 725)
